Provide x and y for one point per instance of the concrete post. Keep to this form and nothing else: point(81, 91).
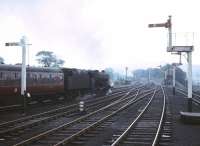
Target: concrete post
point(126, 69)
point(170, 32)
point(165, 78)
point(23, 69)
point(149, 75)
point(189, 54)
point(174, 78)
point(81, 106)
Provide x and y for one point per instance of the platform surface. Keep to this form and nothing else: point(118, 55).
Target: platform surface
point(183, 134)
point(190, 117)
point(190, 114)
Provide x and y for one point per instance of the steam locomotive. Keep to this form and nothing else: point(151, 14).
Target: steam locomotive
point(49, 82)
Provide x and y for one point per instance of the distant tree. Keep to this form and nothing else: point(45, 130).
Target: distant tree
point(48, 59)
point(1, 60)
point(58, 63)
point(140, 73)
point(155, 73)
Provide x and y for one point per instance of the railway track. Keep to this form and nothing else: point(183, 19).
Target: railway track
point(19, 106)
point(56, 112)
point(166, 133)
point(195, 97)
point(12, 129)
point(145, 129)
point(62, 107)
point(57, 135)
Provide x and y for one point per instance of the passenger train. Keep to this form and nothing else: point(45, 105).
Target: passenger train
point(49, 82)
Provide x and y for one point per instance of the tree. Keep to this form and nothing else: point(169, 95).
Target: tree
point(48, 59)
point(1, 60)
point(58, 63)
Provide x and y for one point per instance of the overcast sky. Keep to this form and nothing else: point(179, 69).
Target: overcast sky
point(98, 33)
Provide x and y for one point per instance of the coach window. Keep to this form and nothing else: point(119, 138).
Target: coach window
point(15, 75)
point(1, 75)
point(34, 76)
point(28, 75)
point(40, 76)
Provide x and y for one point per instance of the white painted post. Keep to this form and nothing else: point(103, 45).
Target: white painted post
point(174, 78)
point(189, 54)
point(149, 75)
point(165, 79)
point(23, 44)
point(165, 74)
point(81, 106)
point(170, 32)
point(23, 69)
point(126, 73)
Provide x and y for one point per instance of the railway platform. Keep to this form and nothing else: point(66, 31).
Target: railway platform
point(182, 134)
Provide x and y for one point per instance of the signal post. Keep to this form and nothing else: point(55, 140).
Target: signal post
point(179, 50)
point(23, 44)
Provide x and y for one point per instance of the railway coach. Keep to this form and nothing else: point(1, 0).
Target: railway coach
point(40, 81)
point(47, 82)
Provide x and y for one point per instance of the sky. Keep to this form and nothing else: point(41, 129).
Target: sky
point(96, 34)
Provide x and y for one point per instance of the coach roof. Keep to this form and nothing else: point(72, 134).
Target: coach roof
point(29, 68)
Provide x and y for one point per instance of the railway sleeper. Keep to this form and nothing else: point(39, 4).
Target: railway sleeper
point(66, 132)
point(64, 135)
point(89, 134)
point(83, 138)
point(144, 133)
point(29, 124)
point(147, 125)
point(77, 142)
point(165, 144)
point(145, 129)
point(111, 140)
point(140, 139)
point(58, 138)
point(46, 142)
point(129, 143)
point(99, 128)
point(166, 138)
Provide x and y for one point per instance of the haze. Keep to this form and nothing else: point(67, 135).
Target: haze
point(97, 34)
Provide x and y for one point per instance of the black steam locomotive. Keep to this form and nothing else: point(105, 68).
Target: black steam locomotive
point(46, 82)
